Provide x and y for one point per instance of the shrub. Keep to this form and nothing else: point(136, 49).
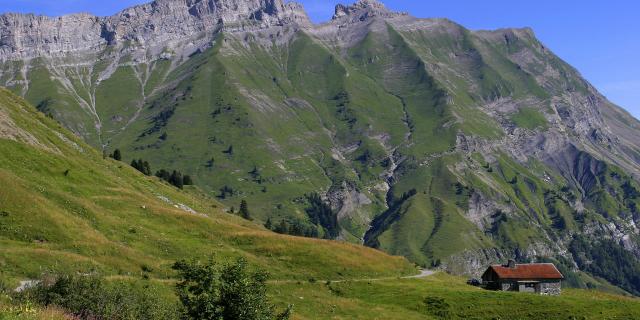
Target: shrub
point(230, 292)
point(91, 297)
point(437, 307)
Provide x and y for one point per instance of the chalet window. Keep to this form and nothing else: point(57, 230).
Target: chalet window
point(529, 285)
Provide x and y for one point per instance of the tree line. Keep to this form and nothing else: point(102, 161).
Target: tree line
point(173, 177)
point(323, 221)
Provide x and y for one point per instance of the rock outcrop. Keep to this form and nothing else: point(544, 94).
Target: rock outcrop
point(150, 25)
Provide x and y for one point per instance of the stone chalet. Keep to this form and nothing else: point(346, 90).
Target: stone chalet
point(540, 278)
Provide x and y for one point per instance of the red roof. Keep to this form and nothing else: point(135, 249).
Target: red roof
point(528, 271)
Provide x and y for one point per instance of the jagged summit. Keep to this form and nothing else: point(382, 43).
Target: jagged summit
point(152, 24)
point(363, 9)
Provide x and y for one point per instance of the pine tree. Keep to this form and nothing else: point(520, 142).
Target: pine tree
point(187, 180)
point(283, 227)
point(164, 175)
point(117, 155)
point(244, 210)
point(177, 179)
point(268, 224)
point(146, 168)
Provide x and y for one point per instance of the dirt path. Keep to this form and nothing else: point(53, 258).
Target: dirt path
point(423, 274)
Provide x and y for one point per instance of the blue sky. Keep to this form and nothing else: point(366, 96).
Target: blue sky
point(599, 38)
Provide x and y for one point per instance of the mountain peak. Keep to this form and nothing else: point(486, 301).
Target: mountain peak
point(154, 24)
point(363, 9)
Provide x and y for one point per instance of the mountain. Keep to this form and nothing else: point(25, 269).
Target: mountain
point(454, 148)
point(65, 209)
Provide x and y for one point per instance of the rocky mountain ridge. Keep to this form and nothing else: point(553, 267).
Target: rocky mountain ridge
point(155, 25)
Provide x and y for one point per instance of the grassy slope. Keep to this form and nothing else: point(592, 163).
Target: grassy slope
point(103, 215)
point(284, 119)
point(403, 299)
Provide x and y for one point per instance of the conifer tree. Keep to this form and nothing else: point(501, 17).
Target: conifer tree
point(176, 179)
point(244, 210)
point(117, 155)
point(146, 168)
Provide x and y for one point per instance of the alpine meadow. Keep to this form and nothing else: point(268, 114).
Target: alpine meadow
point(230, 159)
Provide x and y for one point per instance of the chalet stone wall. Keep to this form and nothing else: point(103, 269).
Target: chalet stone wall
point(508, 286)
point(551, 288)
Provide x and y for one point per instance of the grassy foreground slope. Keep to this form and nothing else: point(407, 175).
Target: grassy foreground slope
point(64, 207)
point(446, 297)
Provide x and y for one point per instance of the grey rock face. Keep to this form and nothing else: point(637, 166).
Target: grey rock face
point(150, 25)
point(364, 9)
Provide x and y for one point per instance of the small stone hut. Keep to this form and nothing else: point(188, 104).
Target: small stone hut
point(540, 278)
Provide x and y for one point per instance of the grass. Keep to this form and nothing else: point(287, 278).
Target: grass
point(103, 215)
point(529, 118)
point(65, 208)
point(303, 113)
point(404, 299)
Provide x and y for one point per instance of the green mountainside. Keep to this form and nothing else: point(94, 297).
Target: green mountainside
point(63, 208)
point(453, 148)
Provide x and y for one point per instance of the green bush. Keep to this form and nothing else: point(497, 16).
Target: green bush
point(437, 307)
point(91, 297)
point(230, 292)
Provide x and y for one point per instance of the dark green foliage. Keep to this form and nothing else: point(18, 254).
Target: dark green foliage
point(294, 227)
point(343, 112)
point(387, 218)
point(244, 210)
point(630, 192)
point(210, 163)
point(163, 174)
point(551, 199)
point(44, 106)
point(161, 120)
point(565, 266)
point(283, 227)
point(229, 151)
point(608, 260)
point(142, 166)
point(187, 180)
point(321, 214)
point(91, 297)
point(224, 191)
point(498, 218)
point(116, 155)
point(175, 178)
point(438, 307)
point(255, 175)
point(231, 292)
